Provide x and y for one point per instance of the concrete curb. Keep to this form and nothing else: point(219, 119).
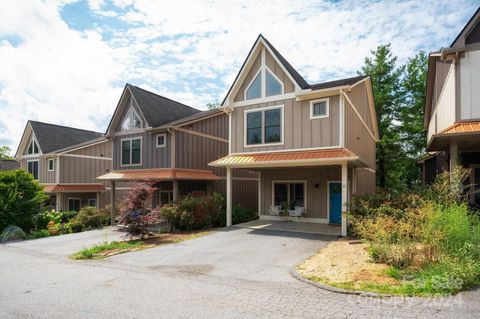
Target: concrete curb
point(295, 274)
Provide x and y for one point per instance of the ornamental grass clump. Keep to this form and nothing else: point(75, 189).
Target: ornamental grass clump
point(432, 239)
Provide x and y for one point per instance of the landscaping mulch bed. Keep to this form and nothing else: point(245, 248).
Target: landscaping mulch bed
point(345, 263)
point(114, 248)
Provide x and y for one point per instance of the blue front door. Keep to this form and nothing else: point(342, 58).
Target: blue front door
point(335, 202)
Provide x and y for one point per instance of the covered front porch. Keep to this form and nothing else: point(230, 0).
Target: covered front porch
point(312, 187)
point(73, 197)
point(170, 183)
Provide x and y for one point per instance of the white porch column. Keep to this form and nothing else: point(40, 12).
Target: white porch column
point(344, 198)
point(259, 193)
point(453, 154)
point(112, 209)
point(229, 197)
point(58, 204)
point(175, 190)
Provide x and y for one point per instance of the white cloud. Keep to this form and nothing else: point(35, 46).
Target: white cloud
point(190, 50)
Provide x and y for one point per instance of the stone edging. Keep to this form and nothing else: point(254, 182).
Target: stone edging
point(295, 274)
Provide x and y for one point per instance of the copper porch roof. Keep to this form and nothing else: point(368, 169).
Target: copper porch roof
point(275, 159)
point(164, 174)
point(73, 188)
point(468, 127)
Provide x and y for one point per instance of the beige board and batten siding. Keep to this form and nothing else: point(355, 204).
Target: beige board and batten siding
point(103, 199)
point(444, 113)
point(316, 187)
point(273, 66)
point(469, 82)
point(357, 137)
point(299, 130)
point(152, 156)
point(82, 167)
point(44, 175)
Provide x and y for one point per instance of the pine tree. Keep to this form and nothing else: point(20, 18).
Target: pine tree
point(413, 136)
point(386, 81)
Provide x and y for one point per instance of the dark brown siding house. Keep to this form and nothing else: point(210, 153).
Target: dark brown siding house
point(7, 165)
point(170, 144)
point(452, 108)
point(66, 161)
point(313, 145)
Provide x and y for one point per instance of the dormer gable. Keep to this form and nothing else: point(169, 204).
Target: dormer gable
point(470, 33)
point(264, 74)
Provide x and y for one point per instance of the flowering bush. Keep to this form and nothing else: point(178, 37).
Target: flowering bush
point(136, 214)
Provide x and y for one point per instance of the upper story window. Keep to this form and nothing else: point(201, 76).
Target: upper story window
point(161, 140)
point(254, 91)
point(264, 126)
point(319, 108)
point(273, 85)
point(264, 84)
point(131, 151)
point(131, 121)
point(33, 147)
point(51, 164)
point(32, 167)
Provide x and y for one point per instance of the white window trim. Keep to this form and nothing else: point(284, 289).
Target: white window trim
point(53, 166)
point(74, 198)
point(38, 168)
point(121, 151)
point(250, 84)
point(302, 181)
point(96, 203)
point(263, 109)
point(263, 81)
point(127, 115)
point(327, 109)
point(277, 78)
point(38, 147)
point(164, 140)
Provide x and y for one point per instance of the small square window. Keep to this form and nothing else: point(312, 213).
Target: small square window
point(161, 140)
point(51, 164)
point(319, 108)
point(92, 202)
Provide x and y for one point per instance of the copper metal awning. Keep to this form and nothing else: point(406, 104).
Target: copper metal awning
point(287, 158)
point(73, 188)
point(159, 174)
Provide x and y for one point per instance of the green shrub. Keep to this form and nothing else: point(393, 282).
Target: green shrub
point(239, 215)
point(20, 198)
point(38, 234)
point(90, 217)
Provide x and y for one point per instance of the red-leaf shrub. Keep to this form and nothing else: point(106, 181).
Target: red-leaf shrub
point(136, 215)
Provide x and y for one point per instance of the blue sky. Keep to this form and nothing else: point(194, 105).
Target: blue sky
point(68, 60)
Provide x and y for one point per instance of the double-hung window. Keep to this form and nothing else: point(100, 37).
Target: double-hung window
point(264, 126)
point(131, 151)
point(32, 167)
point(289, 194)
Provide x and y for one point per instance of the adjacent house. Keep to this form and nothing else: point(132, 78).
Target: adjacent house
point(9, 164)
point(452, 108)
point(312, 145)
point(66, 161)
point(169, 144)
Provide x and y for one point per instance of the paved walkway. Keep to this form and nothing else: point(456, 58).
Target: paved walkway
point(232, 273)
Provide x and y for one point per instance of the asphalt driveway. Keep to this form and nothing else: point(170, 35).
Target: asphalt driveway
point(232, 273)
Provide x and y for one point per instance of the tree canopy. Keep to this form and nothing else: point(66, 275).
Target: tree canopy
point(399, 92)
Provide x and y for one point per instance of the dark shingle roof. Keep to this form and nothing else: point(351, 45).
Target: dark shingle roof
point(331, 84)
point(52, 137)
point(159, 110)
point(6, 165)
point(193, 117)
point(295, 75)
